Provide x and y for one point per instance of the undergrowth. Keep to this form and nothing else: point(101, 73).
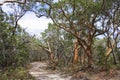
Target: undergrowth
point(19, 73)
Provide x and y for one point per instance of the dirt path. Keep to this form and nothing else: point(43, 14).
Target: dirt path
point(38, 70)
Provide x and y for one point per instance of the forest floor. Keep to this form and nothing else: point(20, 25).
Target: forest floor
point(40, 72)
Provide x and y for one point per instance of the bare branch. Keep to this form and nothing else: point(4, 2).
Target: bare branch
point(13, 1)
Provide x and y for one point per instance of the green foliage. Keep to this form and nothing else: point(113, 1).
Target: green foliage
point(60, 43)
point(35, 51)
point(13, 49)
point(89, 18)
point(99, 50)
point(12, 74)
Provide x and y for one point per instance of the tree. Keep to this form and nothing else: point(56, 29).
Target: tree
point(83, 19)
point(78, 18)
point(13, 43)
point(56, 40)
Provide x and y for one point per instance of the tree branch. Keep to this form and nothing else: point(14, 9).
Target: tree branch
point(12, 1)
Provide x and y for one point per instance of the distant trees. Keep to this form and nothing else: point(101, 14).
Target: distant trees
point(53, 41)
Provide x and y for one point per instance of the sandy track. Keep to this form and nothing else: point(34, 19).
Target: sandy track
point(38, 70)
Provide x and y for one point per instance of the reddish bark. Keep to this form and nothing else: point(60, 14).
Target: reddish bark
point(76, 50)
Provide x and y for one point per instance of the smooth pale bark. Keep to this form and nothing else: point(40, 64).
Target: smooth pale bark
point(51, 57)
point(108, 51)
point(83, 58)
point(50, 52)
point(110, 48)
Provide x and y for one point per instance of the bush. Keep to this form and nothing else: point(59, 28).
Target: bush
point(19, 73)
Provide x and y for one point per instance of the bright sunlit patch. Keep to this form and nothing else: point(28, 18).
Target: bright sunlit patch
point(6, 8)
point(1, 1)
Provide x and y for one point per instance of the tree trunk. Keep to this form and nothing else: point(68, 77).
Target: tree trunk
point(83, 60)
point(89, 55)
point(108, 51)
point(114, 58)
point(76, 51)
point(51, 57)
